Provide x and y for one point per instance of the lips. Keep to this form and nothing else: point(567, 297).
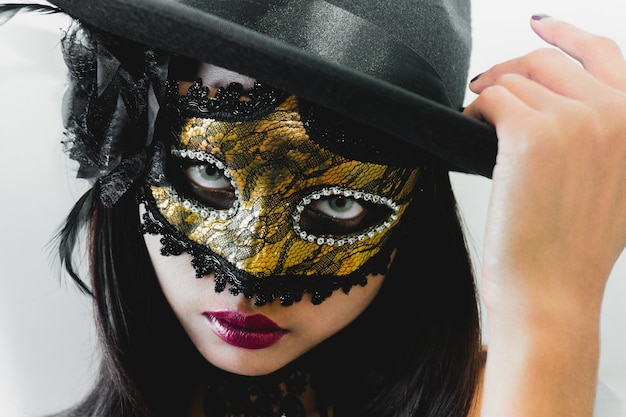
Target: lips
point(240, 330)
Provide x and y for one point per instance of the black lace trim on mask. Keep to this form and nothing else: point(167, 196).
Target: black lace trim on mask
point(332, 131)
point(346, 137)
point(227, 105)
point(288, 289)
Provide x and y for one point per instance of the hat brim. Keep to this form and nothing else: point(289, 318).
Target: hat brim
point(466, 144)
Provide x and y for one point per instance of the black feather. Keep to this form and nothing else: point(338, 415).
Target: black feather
point(7, 11)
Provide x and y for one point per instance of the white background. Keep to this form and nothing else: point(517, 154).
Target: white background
point(47, 348)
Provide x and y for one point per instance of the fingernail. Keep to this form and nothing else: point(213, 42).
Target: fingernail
point(540, 16)
point(475, 78)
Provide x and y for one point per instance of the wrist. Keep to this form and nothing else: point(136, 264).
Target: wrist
point(541, 366)
point(539, 296)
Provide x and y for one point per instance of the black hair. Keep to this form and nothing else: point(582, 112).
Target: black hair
point(414, 352)
point(135, 326)
point(425, 363)
point(420, 338)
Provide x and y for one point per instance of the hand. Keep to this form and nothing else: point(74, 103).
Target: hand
point(557, 215)
point(556, 221)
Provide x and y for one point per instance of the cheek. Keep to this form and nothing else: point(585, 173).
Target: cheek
point(336, 312)
point(341, 309)
point(176, 276)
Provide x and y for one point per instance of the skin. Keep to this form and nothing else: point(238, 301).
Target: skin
point(556, 220)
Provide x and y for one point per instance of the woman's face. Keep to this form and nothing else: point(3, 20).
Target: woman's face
point(268, 169)
point(228, 331)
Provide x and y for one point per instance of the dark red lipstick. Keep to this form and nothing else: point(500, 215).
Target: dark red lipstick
point(240, 330)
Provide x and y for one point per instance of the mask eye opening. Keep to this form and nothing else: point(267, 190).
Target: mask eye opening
point(383, 209)
point(208, 204)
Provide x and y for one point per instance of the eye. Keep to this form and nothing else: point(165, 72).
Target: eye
point(340, 213)
point(208, 176)
point(210, 185)
point(339, 207)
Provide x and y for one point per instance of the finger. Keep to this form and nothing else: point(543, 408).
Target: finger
point(501, 108)
point(599, 55)
point(548, 67)
point(531, 93)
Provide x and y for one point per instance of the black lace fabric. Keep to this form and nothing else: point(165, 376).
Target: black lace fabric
point(115, 93)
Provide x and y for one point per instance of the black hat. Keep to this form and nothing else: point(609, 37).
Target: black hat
point(397, 65)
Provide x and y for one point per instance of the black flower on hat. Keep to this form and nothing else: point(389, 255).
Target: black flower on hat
point(111, 106)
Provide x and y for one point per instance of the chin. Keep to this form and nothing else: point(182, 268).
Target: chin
point(249, 363)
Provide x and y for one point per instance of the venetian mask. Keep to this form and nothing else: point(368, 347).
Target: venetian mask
point(256, 201)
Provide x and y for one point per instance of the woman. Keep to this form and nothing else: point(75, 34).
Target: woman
point(444, 352)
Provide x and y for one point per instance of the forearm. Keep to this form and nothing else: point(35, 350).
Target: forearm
point(541, 365)
point(557, 218)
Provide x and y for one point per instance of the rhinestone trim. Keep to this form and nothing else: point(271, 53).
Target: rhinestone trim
point(350, 239)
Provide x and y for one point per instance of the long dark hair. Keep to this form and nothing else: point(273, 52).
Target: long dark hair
point(142, 344)
point(414, 352)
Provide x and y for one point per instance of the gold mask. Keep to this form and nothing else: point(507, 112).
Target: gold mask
point(266, 198)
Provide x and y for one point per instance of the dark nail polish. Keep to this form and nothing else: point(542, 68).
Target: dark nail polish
point(475, 78)
point(539, 16)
